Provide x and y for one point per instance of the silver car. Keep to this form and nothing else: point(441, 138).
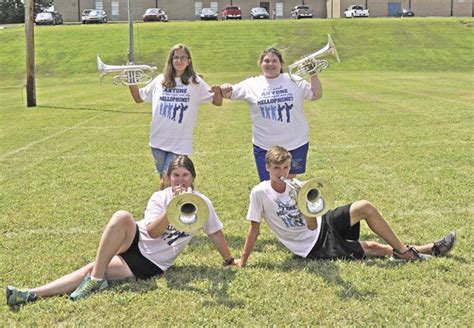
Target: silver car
point(94, 16)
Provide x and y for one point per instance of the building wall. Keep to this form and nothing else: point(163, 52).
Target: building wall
point(185, 9)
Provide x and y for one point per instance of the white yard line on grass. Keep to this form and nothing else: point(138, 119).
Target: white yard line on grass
point(31, 144)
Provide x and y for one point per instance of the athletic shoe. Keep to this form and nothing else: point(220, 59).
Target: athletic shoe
point(444, 245)
point(87, 287)
point(411, 254)
point(16, 297)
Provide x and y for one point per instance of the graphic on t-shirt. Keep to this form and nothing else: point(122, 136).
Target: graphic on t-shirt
point(276, 104)
point(171, 235)
point(174, 103)
point(289, 214)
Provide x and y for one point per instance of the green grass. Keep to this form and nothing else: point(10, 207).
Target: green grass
point(395, 126)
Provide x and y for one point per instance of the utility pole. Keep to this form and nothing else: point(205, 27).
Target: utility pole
point(131, 52)
point(30, 54)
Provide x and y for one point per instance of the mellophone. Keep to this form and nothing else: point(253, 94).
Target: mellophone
point(187, 212)
point(313, 198)
point(313, 64)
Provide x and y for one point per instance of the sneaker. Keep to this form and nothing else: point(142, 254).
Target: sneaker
point(411, 254)
point(444, 245)
point(16, 297)
point(87, 287)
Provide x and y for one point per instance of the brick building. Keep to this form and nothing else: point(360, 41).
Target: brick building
point(189, 9)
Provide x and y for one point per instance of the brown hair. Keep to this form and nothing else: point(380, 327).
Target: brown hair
point(180, 161)
point(273, 51)
point(170, 73)
point(277, 155)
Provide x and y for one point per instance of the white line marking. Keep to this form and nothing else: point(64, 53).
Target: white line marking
point(31, 144)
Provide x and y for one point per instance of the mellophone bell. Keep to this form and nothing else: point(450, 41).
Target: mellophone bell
point(313, 198)
point(187, 212)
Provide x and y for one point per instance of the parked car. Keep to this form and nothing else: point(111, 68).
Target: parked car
point(94, 16)
point(231, 13)
point(155, 14)
point(405, 13)
point(209, 14)
point(49, 18)
point(301, 12)
point(259, 13)
point(85, 12)
point(356, 11)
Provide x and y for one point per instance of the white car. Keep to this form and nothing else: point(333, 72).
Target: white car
point(356, 11)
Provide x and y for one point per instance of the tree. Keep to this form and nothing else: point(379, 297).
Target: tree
point(13, 11)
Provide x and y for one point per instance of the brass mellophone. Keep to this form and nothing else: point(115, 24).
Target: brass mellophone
point(187, 212)
point(313, 64)
point(313, 198)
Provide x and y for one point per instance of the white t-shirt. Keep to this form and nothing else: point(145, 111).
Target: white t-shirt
point(164, 249)
point(283, 218)
point(276, 110)
point(174, 113)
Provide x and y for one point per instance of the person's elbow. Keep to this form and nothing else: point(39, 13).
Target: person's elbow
point(153, 233)
point(317, 95)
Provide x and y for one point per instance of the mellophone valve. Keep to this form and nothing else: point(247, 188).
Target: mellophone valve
point(126, 74)
point(313, 198)
point(187, 212)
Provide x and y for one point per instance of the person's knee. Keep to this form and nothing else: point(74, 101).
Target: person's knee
point(365, 208)
point(122, 218)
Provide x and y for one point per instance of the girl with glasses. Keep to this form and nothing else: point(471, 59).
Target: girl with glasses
point(175, 96)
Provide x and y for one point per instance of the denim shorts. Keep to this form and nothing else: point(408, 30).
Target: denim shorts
point(162, 159)
point(298, 161)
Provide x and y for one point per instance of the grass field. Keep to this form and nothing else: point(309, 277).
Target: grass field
point(395, 126)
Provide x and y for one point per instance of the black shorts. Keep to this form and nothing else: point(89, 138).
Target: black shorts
point(140, 266)
point(337, 239)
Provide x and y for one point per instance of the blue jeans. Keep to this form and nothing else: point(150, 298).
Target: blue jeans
point(162, 160)
point(298, 161)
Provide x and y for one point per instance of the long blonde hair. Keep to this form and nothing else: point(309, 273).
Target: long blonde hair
point(170, 73)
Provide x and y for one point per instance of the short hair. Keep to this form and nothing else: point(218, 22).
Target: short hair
point(275, 52)
point(277, 155)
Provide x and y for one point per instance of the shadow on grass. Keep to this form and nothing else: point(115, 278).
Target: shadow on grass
point(95, 109)
point(329, 271)
point(186, 278)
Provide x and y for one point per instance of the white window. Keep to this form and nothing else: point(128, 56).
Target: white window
point(197, 8)
point(215, 6)
point(115, 8)
point(99, 5)
point(279, 9)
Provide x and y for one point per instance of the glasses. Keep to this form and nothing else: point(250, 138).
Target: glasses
point(182, 58)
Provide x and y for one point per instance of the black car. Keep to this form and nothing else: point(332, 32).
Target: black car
point(405, 13)
point(259, 13)
point(209, 14)
point(49, 18)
